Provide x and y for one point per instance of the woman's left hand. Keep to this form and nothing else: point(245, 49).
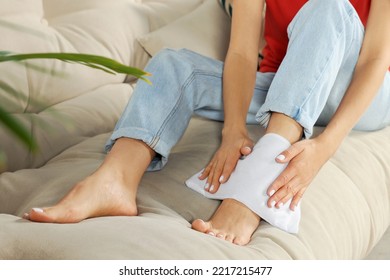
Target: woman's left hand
point(305, 158)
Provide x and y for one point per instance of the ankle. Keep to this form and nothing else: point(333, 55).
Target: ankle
point(285, 126)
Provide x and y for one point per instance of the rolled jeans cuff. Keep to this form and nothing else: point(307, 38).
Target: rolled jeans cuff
point(291, 110)
point(155, 143)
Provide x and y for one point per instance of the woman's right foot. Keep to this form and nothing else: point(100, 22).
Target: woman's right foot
point(110, 191)
point(100, 194)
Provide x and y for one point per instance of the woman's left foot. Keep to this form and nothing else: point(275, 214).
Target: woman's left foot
point(233, 222)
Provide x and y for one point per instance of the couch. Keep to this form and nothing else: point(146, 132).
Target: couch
point(71, 109)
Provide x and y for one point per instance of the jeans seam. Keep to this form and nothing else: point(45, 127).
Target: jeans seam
point(187, 82)
point(156, 139)
point(349, 13)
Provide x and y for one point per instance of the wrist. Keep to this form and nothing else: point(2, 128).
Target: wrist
point(328, 144)
point(234, 130)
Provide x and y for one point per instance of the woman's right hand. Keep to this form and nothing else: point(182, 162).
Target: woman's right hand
point(235, 144)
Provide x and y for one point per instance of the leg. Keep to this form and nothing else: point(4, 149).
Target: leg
point(320, 65)
point(109, 191)
point(154, 120)
point(316, 64)
point(245, 194)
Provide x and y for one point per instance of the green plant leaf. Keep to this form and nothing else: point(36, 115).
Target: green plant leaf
point(103, 63)
point(18, 129)
point(94, 61)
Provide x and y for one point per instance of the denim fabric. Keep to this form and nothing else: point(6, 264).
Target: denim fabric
point(325, 40)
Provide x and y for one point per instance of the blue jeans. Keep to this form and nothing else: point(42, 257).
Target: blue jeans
point(324, 43)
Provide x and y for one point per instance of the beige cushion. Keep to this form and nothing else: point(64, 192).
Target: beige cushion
point(107, 28)
point(206, 30)
point(344, 212)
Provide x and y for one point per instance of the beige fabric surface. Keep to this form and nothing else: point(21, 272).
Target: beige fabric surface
point(188, 30)
point(102, 27)
point(344, 212)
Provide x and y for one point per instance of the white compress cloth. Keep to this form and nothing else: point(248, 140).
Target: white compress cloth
point(250, 180)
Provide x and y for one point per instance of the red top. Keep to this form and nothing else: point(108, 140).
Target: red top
point(279, 13)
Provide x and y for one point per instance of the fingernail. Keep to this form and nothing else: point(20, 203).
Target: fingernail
point(38, 210)
point(292, 208)
point(207, 187)
point(281, 157)
point(211, 188)
point(271, 193)
point(25, 216)
point(221, 178)
point(280, 205)
point(273, 203)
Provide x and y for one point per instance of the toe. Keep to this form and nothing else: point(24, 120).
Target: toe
point(229, 238)
point(221, 236)
point(54, 214)
point(241, 241)
point(39, 215)
point(201, 226)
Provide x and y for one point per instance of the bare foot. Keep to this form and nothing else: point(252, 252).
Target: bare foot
point(110, 191)
point(232, 221)
point(100, 194)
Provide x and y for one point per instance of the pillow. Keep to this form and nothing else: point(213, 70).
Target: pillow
point(206, 30)
point(61, 110)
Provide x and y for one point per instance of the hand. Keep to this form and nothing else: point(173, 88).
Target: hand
point(235, 144)
point(305, 159)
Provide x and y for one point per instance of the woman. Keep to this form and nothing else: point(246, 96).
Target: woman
point(326, 63)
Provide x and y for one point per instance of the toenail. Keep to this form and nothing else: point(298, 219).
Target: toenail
point(26, 216)
point(211, 233)
point(38, 210)
point(219, 235)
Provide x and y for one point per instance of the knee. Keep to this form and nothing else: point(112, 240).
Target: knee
point(167, 56)
point(333, 7)
point(330, 14)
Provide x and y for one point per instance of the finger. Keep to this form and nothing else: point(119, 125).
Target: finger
point(287, 192)
point(210, 176)
point(281, 180)
point(290, 153)
point(206, 171)
point(245, 150)
point(228, 168)
point(296, 199)
point(246, 147)
point(217, 172)
point(209, 183)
